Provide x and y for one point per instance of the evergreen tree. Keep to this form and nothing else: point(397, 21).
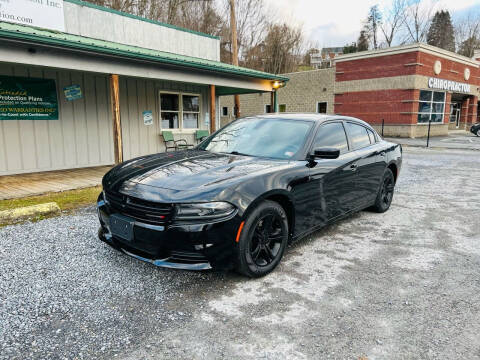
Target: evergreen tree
point(441, 33)
point(372, 24)
point(350, 48)
point(362, 42)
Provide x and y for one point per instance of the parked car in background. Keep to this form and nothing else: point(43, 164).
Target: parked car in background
point(241, 195)
point(475, 129)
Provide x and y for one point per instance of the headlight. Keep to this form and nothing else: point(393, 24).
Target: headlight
point(211, 210)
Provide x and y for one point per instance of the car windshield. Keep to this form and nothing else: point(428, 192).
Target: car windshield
point(275, 138)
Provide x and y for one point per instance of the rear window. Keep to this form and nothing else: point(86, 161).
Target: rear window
point(358, 135)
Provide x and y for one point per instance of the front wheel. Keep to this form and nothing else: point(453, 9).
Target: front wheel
point(263, 240)
point(385, 193)
point(478, 131)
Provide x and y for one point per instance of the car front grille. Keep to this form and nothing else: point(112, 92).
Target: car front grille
point(142, 210)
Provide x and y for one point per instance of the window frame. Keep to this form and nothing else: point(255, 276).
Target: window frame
point(326, 107)
point(180, 111)
point(431, 102)
point(349, 146)
point(350, 143)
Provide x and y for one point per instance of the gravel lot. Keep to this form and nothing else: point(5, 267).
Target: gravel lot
point(399, 285)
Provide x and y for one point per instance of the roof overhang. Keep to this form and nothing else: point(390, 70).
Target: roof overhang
point(59, 50)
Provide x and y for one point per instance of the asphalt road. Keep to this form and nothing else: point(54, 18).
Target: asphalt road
point(399, 285)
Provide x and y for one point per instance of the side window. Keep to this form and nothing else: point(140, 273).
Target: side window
point(358, 136)
point(371, 135)
point(331, 135)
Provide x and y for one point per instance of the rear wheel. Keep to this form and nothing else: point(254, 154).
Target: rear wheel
point(385, 193)
point(263, 240)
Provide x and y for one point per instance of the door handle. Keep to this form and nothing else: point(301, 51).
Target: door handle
point(382, 153)
point(353, 167)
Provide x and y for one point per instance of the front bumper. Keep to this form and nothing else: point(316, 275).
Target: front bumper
point(198, 246)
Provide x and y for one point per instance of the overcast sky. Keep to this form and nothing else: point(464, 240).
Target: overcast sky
point(337, 22)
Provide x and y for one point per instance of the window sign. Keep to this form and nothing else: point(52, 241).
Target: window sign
point(148, 117)
point(46, 14)
point(73, 92)
point(28, 99)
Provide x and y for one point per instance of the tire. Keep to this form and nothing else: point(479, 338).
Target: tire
point(478, 131)
point(385, 193)
point(261, 246)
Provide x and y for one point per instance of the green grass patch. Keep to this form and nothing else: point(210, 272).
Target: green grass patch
point(66, 200)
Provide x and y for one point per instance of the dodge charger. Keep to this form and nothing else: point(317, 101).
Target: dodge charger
point(237, 199)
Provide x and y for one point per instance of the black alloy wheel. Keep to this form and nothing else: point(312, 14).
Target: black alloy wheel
point(263, 240)
point(385, 193)
point(478, 131)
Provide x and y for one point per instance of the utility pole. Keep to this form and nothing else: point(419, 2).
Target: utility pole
point(233, 29)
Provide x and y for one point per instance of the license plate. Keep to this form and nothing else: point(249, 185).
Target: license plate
point(122, 227)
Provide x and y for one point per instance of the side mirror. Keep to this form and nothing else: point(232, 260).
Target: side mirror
point(326, 153)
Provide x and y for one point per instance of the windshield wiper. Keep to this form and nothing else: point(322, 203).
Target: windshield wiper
point(237, 153)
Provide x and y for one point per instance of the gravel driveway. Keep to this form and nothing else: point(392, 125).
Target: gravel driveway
point(399, 285)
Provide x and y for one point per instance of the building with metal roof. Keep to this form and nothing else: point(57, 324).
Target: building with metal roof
point(82, 85)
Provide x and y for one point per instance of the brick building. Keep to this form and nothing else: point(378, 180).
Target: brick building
point(406, 87)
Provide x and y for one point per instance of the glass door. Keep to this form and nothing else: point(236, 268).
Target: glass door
point(455, 114)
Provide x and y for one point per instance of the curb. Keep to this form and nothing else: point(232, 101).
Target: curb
point(435, 147)
point(23, 213)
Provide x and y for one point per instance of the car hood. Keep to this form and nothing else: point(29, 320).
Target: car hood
point(187, 170)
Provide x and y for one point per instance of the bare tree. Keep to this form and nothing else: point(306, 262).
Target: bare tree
point(417, 18)
point(393, 20)
point(282, 48)
point(467, 33)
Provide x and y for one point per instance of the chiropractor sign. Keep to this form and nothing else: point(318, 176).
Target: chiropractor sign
point(46, 14)
point(434, 83)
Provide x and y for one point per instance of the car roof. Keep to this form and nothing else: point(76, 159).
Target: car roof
point(306, 116)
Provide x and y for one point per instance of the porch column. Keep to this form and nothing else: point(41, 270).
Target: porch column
point(275, 101)
point(117, 124)
point(212, 109)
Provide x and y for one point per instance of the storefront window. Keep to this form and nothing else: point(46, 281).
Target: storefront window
point(179, 111)
point(431, 106)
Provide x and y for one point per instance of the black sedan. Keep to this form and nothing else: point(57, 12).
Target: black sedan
point(238, 198)
point(475, 129)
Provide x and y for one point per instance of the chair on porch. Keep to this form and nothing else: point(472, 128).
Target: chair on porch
point(171, 143)
point(200, 135)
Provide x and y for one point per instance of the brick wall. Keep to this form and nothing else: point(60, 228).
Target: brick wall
point(301, 94)
point(395, 106)
point(376, 67)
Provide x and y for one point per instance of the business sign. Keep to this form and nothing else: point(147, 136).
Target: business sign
point(434, 83)
point(73, 92)
point(46, 14)
point(28, 99)
point(147, 117)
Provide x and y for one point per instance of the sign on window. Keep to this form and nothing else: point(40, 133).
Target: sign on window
point(28, 99)
point(46, 14)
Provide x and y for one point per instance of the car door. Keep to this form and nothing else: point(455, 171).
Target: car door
point(334, 179)
point(369, 168)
